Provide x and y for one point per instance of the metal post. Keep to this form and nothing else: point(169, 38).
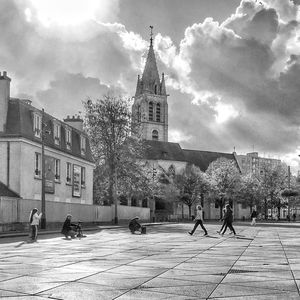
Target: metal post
point(289, 183)
point(116, 199)
point(43, 219)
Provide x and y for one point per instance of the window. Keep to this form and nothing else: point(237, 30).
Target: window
point(158, 112)
point(68, 138)
point(82, 176)
point(83, 145)
point(37, 125)
point(68, 173)
point(56, 134)
point(37, 165)
point(139, 114)
point(150, 111)
point(57, 170)
point(155, 135)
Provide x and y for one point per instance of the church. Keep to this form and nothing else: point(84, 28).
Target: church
point(150, 111)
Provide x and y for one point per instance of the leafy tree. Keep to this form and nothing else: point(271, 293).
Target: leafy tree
point(224, 177)
point(273, 180)
point(250, 191)
point(192, 184)
point(115, 149)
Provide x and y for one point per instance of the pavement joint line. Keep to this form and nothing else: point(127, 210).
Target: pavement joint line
point(138, 287)
point(288, 263)
point(232, 265)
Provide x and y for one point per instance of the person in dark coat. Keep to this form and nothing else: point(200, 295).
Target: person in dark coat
point(228, 218)
point(253, 217)
point(134, 225)
point(67, 229)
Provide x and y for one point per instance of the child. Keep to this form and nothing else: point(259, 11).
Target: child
point(34, 220)
point(199, 221)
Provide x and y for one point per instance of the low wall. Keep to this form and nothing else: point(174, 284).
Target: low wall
point(15, 210)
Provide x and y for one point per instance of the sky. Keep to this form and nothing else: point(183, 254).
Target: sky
point(232, 67)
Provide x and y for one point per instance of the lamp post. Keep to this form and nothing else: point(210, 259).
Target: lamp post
point(116, 199)
point(43, 219)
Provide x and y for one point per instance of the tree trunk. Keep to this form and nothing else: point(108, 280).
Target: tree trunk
point(278, 212)
point(190, 211)
point(266, 209)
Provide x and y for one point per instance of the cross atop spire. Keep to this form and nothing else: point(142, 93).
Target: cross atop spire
point(151, 34)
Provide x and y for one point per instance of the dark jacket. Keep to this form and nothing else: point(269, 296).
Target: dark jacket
point(254, 214)
point(67, 226)
point(134, 225)
point(228, 217)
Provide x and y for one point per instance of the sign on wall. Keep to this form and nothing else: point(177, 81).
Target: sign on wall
point(76, 181)
point(49, 175)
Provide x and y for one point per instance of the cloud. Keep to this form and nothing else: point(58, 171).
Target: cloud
point(68, 91)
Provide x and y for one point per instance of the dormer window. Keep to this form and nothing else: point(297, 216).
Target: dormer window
point(37, 125)
point(83, 145)
point(56, 133)
point(68, 138)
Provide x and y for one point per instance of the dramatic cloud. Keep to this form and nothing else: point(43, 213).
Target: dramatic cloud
point(232, 70)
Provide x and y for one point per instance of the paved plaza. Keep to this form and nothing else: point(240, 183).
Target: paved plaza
point(166, 263)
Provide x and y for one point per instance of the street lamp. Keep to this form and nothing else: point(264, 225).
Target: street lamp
point(116, 199)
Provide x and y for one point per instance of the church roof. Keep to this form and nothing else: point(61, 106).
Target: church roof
point(202, 159)
point(6, 192)
point(20, 124)
point(158, 150)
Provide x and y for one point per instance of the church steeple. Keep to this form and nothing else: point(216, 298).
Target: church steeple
point(150, 77)
point(150, 107)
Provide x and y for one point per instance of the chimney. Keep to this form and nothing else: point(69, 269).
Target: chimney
point(75, 122)
point(4, 98)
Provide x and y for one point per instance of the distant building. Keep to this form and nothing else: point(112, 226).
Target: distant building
point(68, 159)
point(150, 110)
point(251, 163)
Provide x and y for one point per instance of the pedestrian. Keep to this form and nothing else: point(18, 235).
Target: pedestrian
point(288, 218)
point(253, 217)
point(222, 219)
point(199, 221)
point(228, 218)
point(294, 217)
point(34, 220)
point(134, 225)
point(67, 229)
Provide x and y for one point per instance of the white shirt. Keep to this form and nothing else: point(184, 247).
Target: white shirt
point(199, 215)
point(36, 219)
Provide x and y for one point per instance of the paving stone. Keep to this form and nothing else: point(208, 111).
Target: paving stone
point(166, 263)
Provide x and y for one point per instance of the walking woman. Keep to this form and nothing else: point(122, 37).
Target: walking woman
point(199, 221)
point(228, 219)
point(34, 220)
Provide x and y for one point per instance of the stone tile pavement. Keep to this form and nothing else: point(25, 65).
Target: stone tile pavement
point(166, 263)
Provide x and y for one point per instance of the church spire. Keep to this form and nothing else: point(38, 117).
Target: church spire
point(150, 77)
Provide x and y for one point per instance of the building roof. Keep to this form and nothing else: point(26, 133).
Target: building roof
point(158, 150)
point(20, 124)
point(202, 159)
point(5, 191)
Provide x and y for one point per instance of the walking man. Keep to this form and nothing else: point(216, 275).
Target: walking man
point(199, 221)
